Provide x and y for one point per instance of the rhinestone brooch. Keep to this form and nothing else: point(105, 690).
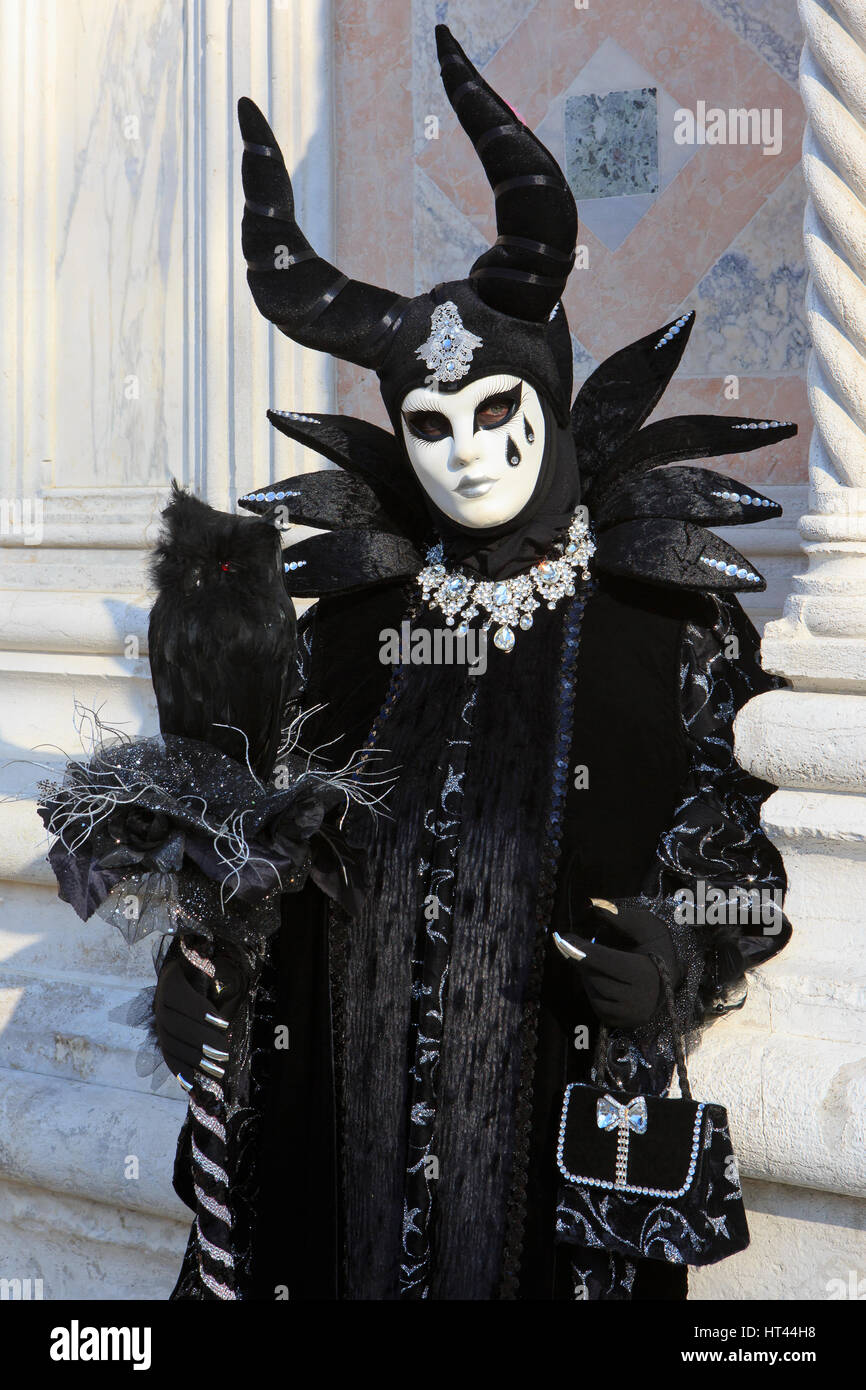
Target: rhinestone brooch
point(508, 603)
point(447, 353)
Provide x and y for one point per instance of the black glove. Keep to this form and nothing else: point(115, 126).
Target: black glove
point(180, 1006)
point(623, 986)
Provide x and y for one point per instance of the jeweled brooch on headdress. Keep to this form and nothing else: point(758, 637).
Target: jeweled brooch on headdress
point(447, 353)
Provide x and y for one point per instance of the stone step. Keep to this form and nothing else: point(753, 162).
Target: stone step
point(85, 1140)
point(797, 1105)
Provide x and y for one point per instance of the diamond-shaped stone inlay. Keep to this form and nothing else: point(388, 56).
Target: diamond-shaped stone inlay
point(611, 143)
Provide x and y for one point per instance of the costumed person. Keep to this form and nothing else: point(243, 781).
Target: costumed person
point(523, 931)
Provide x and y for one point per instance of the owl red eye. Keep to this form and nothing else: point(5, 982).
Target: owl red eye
point(225, 566)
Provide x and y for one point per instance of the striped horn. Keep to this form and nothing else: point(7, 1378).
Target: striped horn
point(525, 270)
point(308, 299)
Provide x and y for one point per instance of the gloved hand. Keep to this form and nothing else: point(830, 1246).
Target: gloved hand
point(623, 986)
point(181, 1008)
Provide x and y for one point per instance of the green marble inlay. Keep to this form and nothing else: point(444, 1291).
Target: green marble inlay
point(611, 143)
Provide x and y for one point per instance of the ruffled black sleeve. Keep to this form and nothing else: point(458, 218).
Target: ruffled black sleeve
point(717, 879)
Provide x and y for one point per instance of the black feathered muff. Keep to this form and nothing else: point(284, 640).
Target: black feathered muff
point(192, 829)
point(197, 834)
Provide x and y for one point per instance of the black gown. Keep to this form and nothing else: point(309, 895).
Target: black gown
point(403, 1146)
point(662, 803)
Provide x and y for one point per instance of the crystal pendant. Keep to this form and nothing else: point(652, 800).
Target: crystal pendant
point(504, 639)
point(526, 621)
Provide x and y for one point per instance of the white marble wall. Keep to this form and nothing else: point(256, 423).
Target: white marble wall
point(131, 353)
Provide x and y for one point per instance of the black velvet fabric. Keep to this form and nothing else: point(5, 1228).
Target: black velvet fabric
point(672, 553)
point(492, 942)
point(657, 1158)
point(347, 560)
point(363, 450)
point(629, 733)
point(685, 494)
point(512, 289)
point(329, 499)
point(692, 437)
point(306, 297)
point(630, 643)
point(620, 395)
point(714, 834)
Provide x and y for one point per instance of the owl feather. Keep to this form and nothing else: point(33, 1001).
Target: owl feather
point(222, 631)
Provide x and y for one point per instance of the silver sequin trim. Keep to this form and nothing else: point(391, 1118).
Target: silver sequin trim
point(215, 1208)
point(212, 1087)
point(221, 1290)
point(223, 1257)
point(209, 1166)
point(209, 1121)
point(200, 962)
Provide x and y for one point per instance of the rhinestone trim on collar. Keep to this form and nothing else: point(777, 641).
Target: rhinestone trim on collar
point(507, 602)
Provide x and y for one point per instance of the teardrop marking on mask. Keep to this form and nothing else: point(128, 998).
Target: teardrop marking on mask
point(528, 431)
point(512, 453)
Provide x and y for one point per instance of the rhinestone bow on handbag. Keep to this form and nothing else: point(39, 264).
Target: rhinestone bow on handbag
point(681, 1202)
point(633, 1116)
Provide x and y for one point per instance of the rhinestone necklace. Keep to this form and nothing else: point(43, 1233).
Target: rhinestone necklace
point(510, 603)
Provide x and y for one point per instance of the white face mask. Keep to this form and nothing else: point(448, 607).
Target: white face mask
point(476, 452)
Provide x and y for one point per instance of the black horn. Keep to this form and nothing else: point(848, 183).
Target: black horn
point(308, 299)
point(525, 271)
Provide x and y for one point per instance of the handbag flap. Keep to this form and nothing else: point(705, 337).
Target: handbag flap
point(661, 1160)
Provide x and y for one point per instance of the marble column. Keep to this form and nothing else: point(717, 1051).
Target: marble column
point(792, 1066)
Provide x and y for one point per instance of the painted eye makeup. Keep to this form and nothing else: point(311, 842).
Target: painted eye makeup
point(429, 425)
point(498, 410)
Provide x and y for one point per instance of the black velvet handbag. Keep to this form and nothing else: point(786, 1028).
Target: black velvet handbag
point(648, 1177)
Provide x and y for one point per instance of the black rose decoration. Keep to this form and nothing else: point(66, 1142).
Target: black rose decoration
point(136, 834)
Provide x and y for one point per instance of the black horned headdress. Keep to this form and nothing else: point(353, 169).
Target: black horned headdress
point(500, 314)
point(505, 316)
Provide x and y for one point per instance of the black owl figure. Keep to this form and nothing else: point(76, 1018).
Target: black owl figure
point(222, 631)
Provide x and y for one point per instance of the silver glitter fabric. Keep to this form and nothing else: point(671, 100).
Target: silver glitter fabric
point(209, 1121)
point(221, 1256)
point(218, 1289)
point(431, 959)
point(715, 837)
point(137, 812)
point(214, 1170)
point(217, 1209)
